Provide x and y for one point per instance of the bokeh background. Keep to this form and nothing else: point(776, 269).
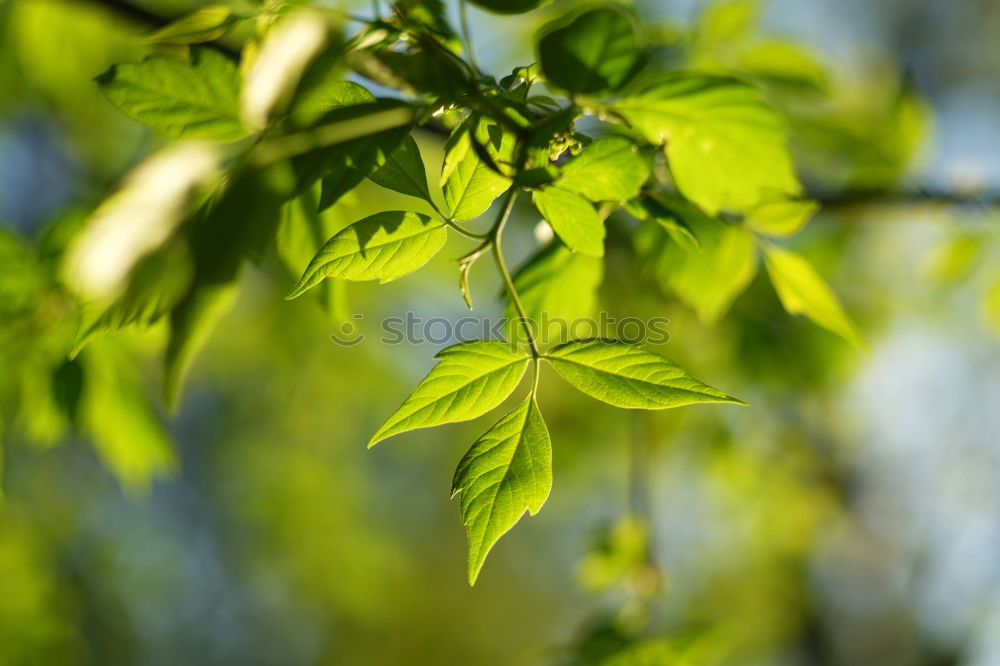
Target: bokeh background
point(850, 516)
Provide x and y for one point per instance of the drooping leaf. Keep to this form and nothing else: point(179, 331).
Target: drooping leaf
point(725, 145)
point(573, 218)
point(204, 25)
point(384, 246)
point(803, 291)
point(193, 99)
point(558, 290)
point(509, 6)
point(470, 379)
point(470, 183)
point(506, 472)
point(626, 375)
point(403, 171)
point(596, 52)
point(609, 169)
point(781, 218)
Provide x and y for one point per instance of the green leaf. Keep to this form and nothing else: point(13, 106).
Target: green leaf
point(557, 288)
point(114, 412)
point(470, 183)
point(384, 247)
point(648, 208)
point(506, 472)
point(781, 218)
point(471, 379)
point(609, 169)
point(403, 171)
point(725, 145)
point(595, 53)
point(803, 291)
point(573, 218)
point(710, 276)
point(204, 25)
point(509, 6)
point(343, 165)
point(627, 376)
point(193, 99)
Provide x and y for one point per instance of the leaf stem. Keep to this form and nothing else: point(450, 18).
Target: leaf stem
point(496, 234)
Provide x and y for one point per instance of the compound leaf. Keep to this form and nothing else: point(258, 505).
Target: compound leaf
point(506, 472)
point(471, 379)
point(384, 246)
point(627, 376)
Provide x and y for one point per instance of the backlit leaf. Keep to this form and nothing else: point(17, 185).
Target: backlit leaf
point(204, 25)
point(725, 145)
point(469, 380)
point(625, 375)
point(781, 218)
point(383, 247)
point(403, 171)
point(193, 99)
point(509, 6)
point(573, 218)
point(470, 183)
point(803, 291)
point(609, 169)
point(596, 52)
point(506, 472)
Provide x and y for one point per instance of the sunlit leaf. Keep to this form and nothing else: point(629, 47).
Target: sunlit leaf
point(648, 208)
point(627, 376)
point(803, 291)
point(596, 52)
point(725, 145)
point(403, 171)
point(781, 218)
point(470, 183)
point(609, 169)
point(204, 25)
point(573, 218)
point(469, 380)
point(507, 472)
point(383, 247)
point(193, 99)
